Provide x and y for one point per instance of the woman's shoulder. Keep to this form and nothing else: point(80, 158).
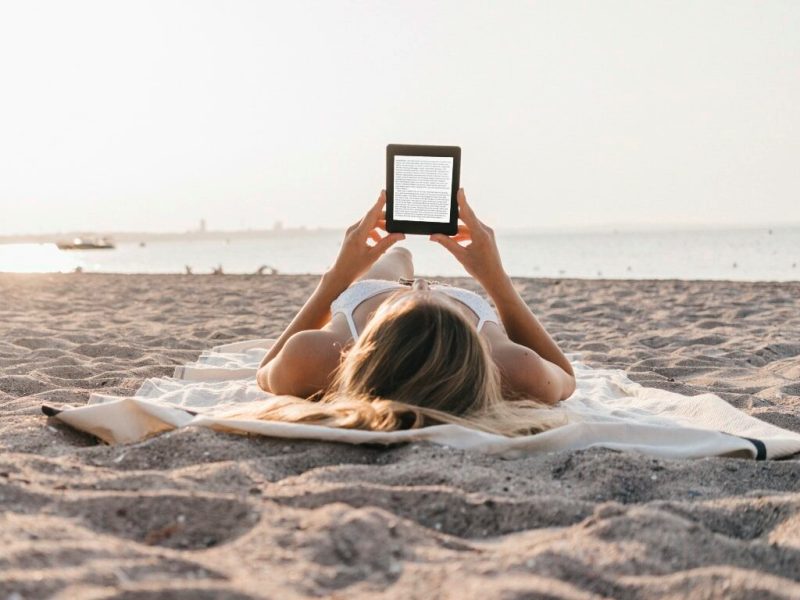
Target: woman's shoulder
point(303, 364)
point(316, 343)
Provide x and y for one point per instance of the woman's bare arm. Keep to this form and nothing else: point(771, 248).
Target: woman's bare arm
point(314, 314)
point(481, 259)
point(521, 324)
point(355, 257)
point(524, 372)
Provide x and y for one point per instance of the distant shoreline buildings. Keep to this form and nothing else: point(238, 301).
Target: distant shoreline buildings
point(200, 233)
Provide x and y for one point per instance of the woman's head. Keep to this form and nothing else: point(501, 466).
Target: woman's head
point(418, 362)
point(419, 349)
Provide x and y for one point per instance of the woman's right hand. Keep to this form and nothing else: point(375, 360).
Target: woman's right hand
point(356, 255)
point(480, 258)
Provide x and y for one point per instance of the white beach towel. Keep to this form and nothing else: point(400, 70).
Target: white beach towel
point(607, 410)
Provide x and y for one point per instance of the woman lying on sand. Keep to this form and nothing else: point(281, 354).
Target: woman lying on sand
point(375, 348)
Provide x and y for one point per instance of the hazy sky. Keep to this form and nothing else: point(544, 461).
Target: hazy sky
point(151, 115)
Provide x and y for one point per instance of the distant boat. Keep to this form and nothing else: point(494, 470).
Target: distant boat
point(86, 243)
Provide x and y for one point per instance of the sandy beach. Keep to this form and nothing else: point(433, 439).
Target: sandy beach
point(198, 514)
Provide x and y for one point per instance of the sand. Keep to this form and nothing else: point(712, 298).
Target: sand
point(198, 514)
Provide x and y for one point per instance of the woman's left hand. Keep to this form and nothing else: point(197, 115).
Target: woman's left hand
point(356, 256)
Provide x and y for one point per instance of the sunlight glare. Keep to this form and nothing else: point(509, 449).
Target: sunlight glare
point(35, 258)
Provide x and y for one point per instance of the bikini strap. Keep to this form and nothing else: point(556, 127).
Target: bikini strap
point(349, 315)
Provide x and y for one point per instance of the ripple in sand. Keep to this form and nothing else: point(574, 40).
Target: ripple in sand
point(102, 349)
point(22, 385)
point(36, 343)
point(743, 519)
point(792, 389)
point(67, 371)
point(173, 521)
point(445, 509)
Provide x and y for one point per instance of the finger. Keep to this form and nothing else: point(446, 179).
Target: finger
point(381, 224)
point(375, 212)
point(378, 206)
point(448, 243)
point(374, 235)
point(385, 242)
point(460, 237)
point(465, 210)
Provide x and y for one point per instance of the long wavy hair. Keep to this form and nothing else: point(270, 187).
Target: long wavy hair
point(418, 362)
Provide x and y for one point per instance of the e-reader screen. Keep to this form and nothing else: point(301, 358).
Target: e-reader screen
point(422, 188)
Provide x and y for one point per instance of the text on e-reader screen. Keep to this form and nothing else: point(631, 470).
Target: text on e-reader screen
point(422, 188)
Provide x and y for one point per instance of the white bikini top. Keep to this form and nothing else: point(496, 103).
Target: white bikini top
point(364, 289)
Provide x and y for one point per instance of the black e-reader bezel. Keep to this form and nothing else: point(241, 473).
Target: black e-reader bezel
point(421, 227)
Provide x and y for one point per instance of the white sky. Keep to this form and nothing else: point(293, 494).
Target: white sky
point(151, 115)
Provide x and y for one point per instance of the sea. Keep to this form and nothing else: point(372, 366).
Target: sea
point(755, 254)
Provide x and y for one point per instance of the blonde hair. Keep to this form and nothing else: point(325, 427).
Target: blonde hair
point(419, 362)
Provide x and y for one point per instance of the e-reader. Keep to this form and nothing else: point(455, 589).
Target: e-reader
point(421, 187)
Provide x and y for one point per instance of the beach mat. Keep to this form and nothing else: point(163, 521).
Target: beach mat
point(607, 410)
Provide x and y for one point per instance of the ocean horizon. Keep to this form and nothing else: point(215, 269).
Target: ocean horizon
point(739, 254)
